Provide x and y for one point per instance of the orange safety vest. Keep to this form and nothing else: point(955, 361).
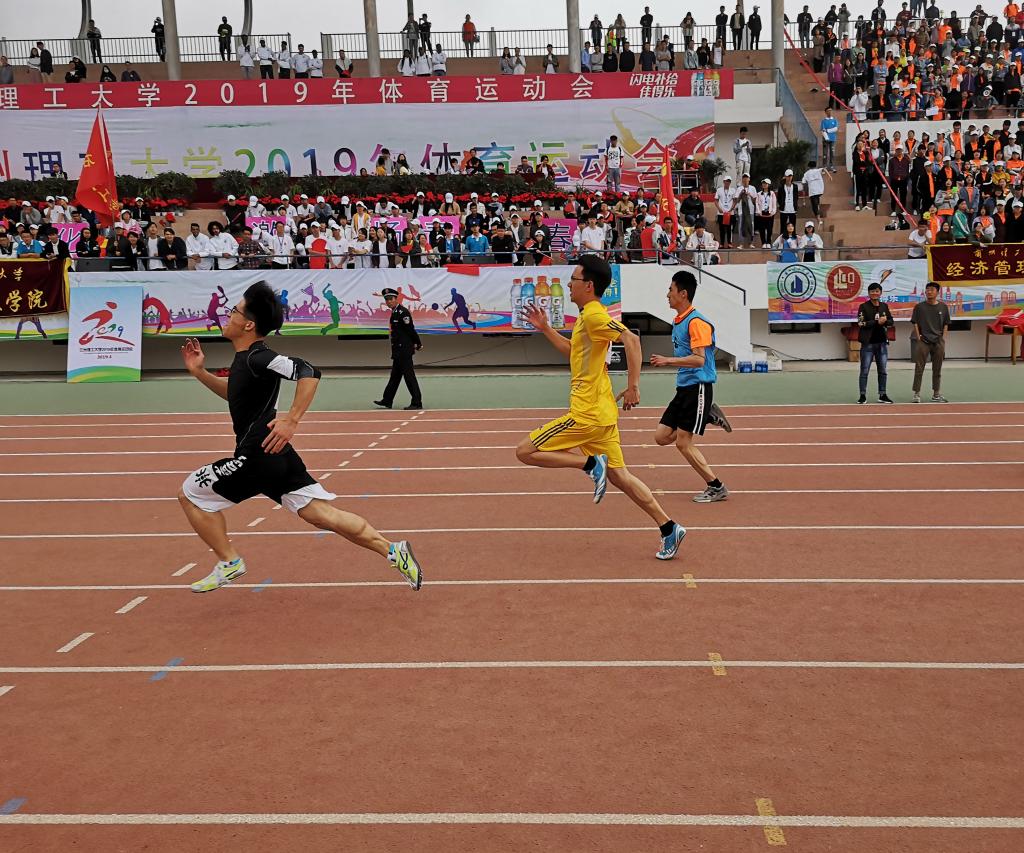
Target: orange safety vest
point(958, 142)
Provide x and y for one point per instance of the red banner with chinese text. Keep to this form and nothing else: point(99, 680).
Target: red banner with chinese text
point(992, 264)
point(33, 287)
point(658, 85)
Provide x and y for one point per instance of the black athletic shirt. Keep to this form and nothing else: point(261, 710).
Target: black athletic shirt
point(253, 388)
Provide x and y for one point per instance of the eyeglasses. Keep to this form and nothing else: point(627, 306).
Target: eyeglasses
point(242, 314)
point(576, 278)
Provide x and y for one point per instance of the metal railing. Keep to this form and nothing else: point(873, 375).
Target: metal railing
point(134, 49)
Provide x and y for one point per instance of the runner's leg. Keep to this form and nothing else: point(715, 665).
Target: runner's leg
point(210, 527)
point(528, 454)
point(638, 492)
point(693, 455)
point(352, 527)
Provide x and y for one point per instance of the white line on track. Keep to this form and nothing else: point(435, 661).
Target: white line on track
point(187, 567)
point(551, 493)
point(888, 529)
point(256, 521)
point(521, 664)
point(519, 431)
point(325, 476)
point(763, 445)
point(957, 822)
point(520, 467)
point(5, 689)
point(545, 582)
point(81, 638)
point(131, 605)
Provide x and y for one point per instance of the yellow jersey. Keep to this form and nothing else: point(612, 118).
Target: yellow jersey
point(591, 400)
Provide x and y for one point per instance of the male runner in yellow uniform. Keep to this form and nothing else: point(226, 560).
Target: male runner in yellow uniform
point(588, 437)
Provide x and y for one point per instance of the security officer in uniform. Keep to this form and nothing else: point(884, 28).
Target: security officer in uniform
point(404, 342)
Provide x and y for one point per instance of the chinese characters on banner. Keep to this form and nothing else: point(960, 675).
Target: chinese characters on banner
point(33, 287)
point(831, 292)
point(343, 137)
point(998, 262)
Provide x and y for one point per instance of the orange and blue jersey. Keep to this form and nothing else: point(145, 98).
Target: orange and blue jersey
point(691, 331)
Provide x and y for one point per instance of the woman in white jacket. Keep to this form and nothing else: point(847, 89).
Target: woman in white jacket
point(766, 205)
point(407, 65)
point(810, 244)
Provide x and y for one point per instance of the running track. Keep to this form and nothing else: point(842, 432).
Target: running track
point(833, 663)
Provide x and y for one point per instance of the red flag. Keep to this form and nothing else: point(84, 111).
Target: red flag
point(97, 188)
point(668, 197)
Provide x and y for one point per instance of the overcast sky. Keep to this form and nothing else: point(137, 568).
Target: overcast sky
point(305, 21)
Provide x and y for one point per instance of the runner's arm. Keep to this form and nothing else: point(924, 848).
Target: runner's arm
point(195, 364)
point(539, 320)
point(306, 377)
point(634, 360)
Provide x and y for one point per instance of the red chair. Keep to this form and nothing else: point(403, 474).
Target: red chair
point(1010, 321)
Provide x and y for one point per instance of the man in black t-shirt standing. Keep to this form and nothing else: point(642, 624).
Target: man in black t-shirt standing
point(264, 462)
point(874, 320)
point(931, 323)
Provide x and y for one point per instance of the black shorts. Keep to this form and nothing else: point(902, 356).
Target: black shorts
point(282, 477)
point(690, 408)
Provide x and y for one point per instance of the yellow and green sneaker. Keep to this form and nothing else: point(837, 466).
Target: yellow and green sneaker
point(222, 574)
point(401, 557)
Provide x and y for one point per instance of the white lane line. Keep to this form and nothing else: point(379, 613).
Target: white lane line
point(5, 689)
point(382, 437)
point(520, 467)
point(944, 666)
point(681, 581)
point(187, 567)
point(131, 605)
point(900, 528)
point(762, 445)
point(358, 454)
point(518, 431)
point(81, 638)
point(517, 818)
point(343, 464)
point(405, 423)
point(552, 493)
point(324, 476)
point(256, 521)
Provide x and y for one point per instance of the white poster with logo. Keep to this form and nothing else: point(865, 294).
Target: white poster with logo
point(105, 333)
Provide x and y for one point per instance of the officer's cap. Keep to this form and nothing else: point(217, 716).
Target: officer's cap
point(388, 292)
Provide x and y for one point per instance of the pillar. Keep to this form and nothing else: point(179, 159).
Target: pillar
point(86, 16)
point(171, 38)
point(572, 21)
point(372, 38)
point(247, 18)
point(778, 37)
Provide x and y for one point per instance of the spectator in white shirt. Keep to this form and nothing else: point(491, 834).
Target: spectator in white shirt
point(337, 247)
point(744, 205)
point(422, 63)
point(518, 62)
point(764, 213)
point(255, 208)
point(592, 237)
point(153, 247)
point(787, 199)
point(918, 239)
point(725, 199)
point(360, 249)
point(439, 62)
point(316, 66)
point(859, 104)
point(284, 62)
point(282, 247)
point(343, 65)
point(810, 244)
point(197, 244)
point(814, 182)
point(305, 212)
point(300, 63)
point(223, 247)
point(702, 244)
point(247, 62)
point(407, 65)
point(265, 57)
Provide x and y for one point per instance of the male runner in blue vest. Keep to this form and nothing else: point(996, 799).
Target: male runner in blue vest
point(693, 407)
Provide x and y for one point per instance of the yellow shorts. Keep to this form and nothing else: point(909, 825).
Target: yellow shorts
point(564, 433)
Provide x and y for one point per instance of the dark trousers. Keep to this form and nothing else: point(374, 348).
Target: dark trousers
point(266, 72)
point(402, 368)
point(879, 353)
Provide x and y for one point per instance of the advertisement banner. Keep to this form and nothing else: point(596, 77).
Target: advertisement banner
point(831, 292)
point(478, 299)
point(105, 340)
point(265, 223)
point(242, 94)
point(34, 287)
point(204, 142)
point(70, 232)
point(399, 222)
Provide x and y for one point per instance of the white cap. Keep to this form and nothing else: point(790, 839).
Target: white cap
point(727, 178)
point(320, 199)
point(360, 204)
point(449, 198)
point(26, 204)
point(538, 203)
point(344, 199)
point(415, 222)
point(432, 212)
point(253, 199)
point(808, 224)
point(50, 198)
point(1018, 203)
point(65, 198)
point(788, 173)
point(304, 196)
point(231, 198)
point(314, 224)
point(494, 195)
point(512, 207)
point(420, 194)
point(745, 175)
point(650, 219)
point(333, 224)
point(474, 195)
point(137, 198)
point(766, 181)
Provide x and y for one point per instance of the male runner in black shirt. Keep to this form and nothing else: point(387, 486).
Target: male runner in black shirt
point(264, 462)
point(404, 342)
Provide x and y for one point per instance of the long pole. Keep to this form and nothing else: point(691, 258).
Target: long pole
point(171, 40)
point(372, 36)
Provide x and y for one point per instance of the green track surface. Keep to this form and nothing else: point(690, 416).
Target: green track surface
point(963, 382)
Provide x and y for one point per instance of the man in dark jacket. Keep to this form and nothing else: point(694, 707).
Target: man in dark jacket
point(404, 343)
point(54, 247)
point(172, 251)
point(874, 320)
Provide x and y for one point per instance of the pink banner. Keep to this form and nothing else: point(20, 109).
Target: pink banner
point(400, 223)
point(265, 223)
point(70, 232)
point(369, 90)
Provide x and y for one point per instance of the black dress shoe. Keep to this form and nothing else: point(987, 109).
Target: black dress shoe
point(412, 407)
point(382, 404)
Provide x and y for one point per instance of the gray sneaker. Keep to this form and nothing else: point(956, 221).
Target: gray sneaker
point(917, 398)
point(938, 398)
point(716, 417)
point(711, 494)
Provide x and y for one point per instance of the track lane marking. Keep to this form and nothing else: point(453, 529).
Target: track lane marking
point(131, 605)
point(81, 638)
point(183, 570)
point(773, 833)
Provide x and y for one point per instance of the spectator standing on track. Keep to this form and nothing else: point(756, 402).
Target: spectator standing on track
point(224, 32)
point(874, 320)
point(404, 343)
point(930, 322)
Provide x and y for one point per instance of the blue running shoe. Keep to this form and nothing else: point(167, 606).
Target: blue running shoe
point(599, 474)
point(670, 544)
